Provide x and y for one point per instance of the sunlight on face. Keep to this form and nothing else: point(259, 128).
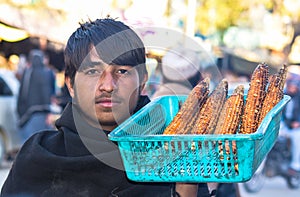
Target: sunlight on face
point(107, 94)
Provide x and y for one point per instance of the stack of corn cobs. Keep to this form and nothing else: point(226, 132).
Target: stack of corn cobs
point(219, 113)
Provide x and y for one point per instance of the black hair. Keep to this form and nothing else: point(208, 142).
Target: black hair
point(115, 42)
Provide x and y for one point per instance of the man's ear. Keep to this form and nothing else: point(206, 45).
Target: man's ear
point(70, 86)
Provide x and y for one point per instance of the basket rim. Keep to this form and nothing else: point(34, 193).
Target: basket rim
point(261, 131)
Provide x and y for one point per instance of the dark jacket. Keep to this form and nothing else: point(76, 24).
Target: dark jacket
point(36, 89)
point(58, 163)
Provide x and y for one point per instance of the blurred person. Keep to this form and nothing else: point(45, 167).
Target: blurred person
point(35, 94)
point(180, 71)
point(291, 120)
point(153, 64)
point(9, 75)
point(13, 62)
point(9, 86)
point(22, 64)
point(105, 75)
point(55, 107)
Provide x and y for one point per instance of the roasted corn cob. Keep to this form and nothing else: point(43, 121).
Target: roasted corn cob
point(210, 111)
point(228, 151)
point(229, 121)
point(231, 113)
point(255, 98)
point(189, 108)
point(274, 91)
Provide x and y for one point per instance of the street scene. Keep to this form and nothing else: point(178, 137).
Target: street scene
point(161, 91)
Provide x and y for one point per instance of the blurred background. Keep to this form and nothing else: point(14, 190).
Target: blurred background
point(235, 35)
point(242, 31)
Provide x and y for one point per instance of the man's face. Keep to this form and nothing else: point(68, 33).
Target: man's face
point(106, 94)
point(292, 89)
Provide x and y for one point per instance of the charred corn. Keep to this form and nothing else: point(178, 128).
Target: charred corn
point(189, 108)
point(210, 111)
point(255, 98)
point(274, 91)
point(231, 113)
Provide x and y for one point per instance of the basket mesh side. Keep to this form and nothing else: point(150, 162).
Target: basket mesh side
point(266, 144)
point(148, 123)
point(181, 160)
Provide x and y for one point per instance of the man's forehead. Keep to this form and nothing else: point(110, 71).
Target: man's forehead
point(90, 61)
point(93, 55)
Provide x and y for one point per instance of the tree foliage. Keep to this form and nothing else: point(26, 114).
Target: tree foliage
point(217, 15)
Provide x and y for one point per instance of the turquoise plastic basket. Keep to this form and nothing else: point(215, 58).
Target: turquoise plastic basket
point(149, 156)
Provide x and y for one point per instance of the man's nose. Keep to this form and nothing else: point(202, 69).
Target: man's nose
point(107, 82)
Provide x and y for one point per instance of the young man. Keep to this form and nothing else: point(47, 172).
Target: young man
point(105, 74)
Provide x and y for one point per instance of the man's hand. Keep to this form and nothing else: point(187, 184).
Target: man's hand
point(187, 189)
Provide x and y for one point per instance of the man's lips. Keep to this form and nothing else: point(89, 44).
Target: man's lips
point(107, 102)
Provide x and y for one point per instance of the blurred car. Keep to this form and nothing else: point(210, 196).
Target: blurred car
point(10, 139)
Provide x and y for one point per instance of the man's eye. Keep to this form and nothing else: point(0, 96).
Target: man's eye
point(123, 71)
point(91, 72)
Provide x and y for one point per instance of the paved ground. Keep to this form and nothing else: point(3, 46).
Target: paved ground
point(275, 187)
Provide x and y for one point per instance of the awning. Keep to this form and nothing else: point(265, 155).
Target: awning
point(11, 34)
point(47, 23)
